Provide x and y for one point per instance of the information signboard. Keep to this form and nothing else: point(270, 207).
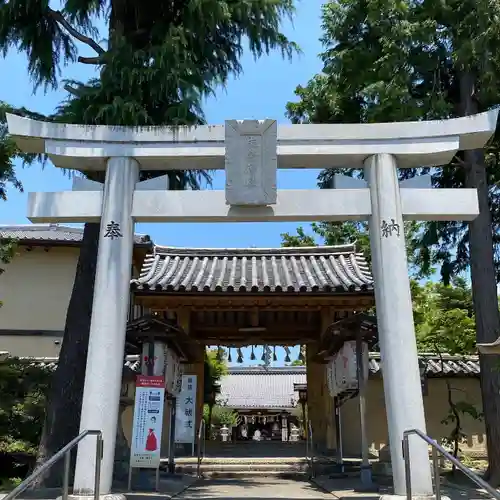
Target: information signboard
point(185, 416)
point(148, 422)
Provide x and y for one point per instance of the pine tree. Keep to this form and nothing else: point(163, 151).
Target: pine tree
point(161, 59)
point(413, 60)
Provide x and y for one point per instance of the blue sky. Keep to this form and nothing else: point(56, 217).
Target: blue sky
point(262, 91)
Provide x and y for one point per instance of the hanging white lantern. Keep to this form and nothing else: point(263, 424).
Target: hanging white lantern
point(342, 374)
point(153, 356)
point(172, 367)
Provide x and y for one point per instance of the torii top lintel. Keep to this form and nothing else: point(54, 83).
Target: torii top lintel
point(424, 143)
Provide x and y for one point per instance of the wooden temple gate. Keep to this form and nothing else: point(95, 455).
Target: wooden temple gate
point(242, 297)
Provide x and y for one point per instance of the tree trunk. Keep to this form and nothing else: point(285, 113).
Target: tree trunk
point(64, 404)
point(484, 287)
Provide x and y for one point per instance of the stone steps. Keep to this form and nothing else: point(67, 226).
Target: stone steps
point(251, 472)
point(242, 460)
point(266, 449)
point(255, 474)
point(284, 467)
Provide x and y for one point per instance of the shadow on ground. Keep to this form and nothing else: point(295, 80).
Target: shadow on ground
point(253, 489)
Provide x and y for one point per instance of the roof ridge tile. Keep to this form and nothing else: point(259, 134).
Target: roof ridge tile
point(281, 270)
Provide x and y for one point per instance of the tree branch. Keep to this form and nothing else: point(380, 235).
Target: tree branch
point(90, 60)
point(57, 15)
point(71, 90)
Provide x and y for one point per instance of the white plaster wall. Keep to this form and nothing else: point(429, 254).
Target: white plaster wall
point(436, 409)
point(35, 289)
point(29, 346)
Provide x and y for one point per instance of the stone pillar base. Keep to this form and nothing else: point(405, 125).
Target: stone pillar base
point(414, 497)
point(107, 496)
point(382, 469)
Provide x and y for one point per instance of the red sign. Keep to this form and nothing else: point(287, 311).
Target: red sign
point(153, 381)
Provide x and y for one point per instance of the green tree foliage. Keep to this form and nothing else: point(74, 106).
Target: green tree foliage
point(219, 415)
point(409, 60)
point(23, 387)
point(215, 369)
point(160, 60)
point(444, 317)
point(444, 324)
point(8, 153)
point(330, 233)
point(224, 416)
point(334, 233)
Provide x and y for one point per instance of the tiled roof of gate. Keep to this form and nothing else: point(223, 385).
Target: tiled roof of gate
point(301, 269)
point(258, 387)
point(52, 233)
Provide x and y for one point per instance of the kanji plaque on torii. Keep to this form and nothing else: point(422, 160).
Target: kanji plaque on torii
point(251, 162)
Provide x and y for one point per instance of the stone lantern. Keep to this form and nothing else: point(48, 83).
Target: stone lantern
point(302, 391)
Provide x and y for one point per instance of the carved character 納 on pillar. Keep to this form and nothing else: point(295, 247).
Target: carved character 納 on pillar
point(390, 229)
point(113, 230)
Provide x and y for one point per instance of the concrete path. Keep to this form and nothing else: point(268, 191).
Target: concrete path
point(349, 488)
point(253, 488)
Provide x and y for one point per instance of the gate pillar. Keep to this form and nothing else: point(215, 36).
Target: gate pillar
point(319, 403)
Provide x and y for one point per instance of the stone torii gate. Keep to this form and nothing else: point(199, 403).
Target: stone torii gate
point(251, 151)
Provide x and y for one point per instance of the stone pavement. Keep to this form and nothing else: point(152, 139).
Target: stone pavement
point(349, 488)
point(170, 486)
point(253, 489)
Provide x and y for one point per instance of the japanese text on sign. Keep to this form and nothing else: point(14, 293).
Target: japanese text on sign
point(185, 420)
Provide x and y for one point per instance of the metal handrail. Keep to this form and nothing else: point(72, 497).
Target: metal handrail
point(310, 447)
point(201, 447)
point(306, 432)
point(436, 447)
point(66, 452)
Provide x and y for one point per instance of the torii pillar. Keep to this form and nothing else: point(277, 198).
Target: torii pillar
point(251, 151)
